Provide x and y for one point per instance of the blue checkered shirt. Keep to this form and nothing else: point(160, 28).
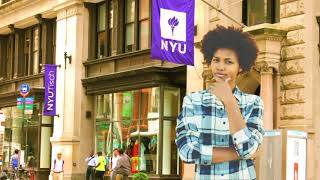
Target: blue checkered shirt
point(203, 124)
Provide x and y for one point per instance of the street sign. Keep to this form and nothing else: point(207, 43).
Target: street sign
point(29, 102)
point(28, 107)
point(24, 89)
point(20, 103)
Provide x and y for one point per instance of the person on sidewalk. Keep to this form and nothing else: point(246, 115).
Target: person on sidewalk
point(100, 167)
point(91, 161)
point(58, 167)
point(123, 166)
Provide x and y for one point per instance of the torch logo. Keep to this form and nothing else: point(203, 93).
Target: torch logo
point(173, 25)
point(173, 22)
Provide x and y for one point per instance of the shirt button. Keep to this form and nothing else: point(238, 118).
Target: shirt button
point(234, 139)
point(224, 122)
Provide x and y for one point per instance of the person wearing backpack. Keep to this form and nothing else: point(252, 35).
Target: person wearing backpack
point(58, 167)
point(15, 163)
point(15, 160)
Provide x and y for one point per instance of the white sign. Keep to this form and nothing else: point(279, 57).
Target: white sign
point(173, 24)
point(2, 117)
point(296, 158)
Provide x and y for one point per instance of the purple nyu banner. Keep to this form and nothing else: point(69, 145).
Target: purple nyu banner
point(173, 31)
point(50, 77)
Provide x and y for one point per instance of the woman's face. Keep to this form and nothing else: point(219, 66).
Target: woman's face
point(225, 64)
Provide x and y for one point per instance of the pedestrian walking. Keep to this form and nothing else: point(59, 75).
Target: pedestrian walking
point(91, 162)
point(58, 167)
point(100, 167)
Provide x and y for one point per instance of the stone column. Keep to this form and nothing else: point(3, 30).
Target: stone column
point(266, 93)
point(268, 38)
point(73, 130)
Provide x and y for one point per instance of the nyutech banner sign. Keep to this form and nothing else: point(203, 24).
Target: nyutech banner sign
point(50, 80)
point(173, 31)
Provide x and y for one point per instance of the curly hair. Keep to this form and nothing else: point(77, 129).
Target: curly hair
point(231, 38)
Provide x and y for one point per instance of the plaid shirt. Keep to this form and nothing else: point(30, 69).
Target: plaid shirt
point(203, 124)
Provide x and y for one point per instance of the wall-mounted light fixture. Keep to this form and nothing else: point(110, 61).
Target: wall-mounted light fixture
point(65, 59)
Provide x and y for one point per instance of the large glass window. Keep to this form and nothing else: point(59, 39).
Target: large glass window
point(35, 50)
point(144, 24)
point(10, 57)
point(31, 51)
point(3, 57)
point(263, 11)
point(105, 29)
point(101, 30)
point(170, 158)
point(129, 25)
point(130, 120)
point(22, 133)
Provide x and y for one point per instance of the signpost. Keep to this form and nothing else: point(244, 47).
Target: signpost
point(26, 105)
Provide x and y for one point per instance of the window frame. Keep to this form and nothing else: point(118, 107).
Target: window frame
point(107, 51)
point(137, 30)
point(273, 12)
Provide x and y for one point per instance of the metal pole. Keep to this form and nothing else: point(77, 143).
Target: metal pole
point(26, 150)
point(226, 15)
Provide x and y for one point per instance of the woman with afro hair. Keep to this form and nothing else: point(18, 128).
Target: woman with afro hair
point(220, 129)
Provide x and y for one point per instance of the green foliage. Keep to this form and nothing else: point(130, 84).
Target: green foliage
point(140, 176)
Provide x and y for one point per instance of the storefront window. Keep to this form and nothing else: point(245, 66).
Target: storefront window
point(130, 120)
point(22, 133)
point(170, 160)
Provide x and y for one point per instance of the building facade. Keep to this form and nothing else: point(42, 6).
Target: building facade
point(111, 94)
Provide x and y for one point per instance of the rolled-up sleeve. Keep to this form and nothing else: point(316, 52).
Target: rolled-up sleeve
point(188, 137)
point(248, 139)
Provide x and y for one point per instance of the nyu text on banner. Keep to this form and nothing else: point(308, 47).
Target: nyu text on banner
point(50, 80)
point(173, 31)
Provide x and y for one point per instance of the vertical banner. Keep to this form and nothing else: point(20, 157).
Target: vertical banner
point(173, 31)
point(50, 81)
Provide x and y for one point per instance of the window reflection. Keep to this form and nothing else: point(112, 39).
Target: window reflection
point(130, 120)
point(21, 132)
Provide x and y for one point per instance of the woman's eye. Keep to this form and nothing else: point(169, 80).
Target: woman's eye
point(215, 60)
point(229, 62)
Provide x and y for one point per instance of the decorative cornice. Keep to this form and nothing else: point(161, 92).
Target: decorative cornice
point(264, 67)
point(272, 32)
point(68, 13)
point(68, 9)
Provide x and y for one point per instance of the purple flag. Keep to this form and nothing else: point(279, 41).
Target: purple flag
point(50, 77)
point(173, 31)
